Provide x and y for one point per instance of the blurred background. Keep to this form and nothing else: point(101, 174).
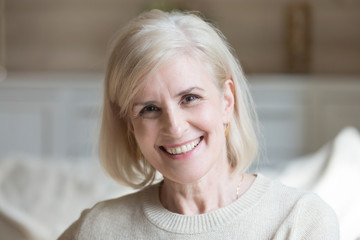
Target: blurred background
point(293, 52)
point(41, 35)
point(301, 58)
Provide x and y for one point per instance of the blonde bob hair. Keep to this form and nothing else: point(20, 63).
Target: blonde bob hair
point(142, 46)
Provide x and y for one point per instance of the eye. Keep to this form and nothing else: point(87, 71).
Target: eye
point(149, 110)
point(190, 98)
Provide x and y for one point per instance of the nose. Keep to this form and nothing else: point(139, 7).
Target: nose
point(174, 122)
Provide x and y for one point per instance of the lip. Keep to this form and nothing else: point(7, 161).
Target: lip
point(162, 148)
point(180, 144)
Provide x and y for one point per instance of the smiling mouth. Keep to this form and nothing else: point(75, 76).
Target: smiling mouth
point(182, 149)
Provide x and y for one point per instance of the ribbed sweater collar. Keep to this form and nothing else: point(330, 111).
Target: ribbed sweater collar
point(177, 223)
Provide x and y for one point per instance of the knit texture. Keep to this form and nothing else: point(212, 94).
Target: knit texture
point(268, 210)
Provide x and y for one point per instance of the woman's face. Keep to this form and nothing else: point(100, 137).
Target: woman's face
point(178, 120)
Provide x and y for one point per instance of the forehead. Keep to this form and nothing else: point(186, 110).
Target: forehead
point(177, 74)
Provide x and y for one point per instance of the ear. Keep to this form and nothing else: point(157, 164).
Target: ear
point(229, 100)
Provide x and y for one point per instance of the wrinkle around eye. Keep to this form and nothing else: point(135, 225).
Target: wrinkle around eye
point(150, 111)
point(194, 98)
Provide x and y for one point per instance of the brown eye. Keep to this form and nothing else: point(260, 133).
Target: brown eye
point(149, 109)
point(190, 98)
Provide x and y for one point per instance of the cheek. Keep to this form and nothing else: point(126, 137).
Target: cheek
point(145, 135)
point(209, 116)
point(142, 127)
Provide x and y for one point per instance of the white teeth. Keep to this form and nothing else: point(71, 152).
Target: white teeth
point(184, 148)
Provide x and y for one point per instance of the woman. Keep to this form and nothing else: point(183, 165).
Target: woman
point(176, 102)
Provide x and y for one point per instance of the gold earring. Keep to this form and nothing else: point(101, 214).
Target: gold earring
point(227, 129)
point(138, 153)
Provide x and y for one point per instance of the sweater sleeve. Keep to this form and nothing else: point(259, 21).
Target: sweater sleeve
point(315, 220)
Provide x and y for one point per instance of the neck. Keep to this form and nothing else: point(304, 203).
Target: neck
point(202, 196)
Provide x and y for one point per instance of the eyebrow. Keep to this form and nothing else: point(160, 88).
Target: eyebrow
point(184, 92)
point(189, 90)
point(136, 104)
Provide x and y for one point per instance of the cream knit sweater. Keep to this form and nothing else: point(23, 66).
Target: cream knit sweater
point(268, 210)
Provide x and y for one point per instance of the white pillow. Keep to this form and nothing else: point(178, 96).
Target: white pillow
point(334, 174)
point(44, 196)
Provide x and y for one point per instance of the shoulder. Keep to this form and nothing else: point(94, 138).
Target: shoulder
point(300, 198)
point(308, 202)
point(123, 203)
point(315, 218)
point(277, 193)
point(122, 209)
point(107, 217)
point(305, 213)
